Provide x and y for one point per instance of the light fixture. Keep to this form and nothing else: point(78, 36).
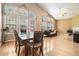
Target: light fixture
point(62, 11)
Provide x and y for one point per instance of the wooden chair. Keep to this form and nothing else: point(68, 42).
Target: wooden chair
point(18, 42)
point(37, 44)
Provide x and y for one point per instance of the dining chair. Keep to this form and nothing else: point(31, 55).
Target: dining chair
point(18, 43)
point(37, 44)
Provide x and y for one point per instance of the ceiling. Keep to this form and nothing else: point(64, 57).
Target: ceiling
point(61, 10)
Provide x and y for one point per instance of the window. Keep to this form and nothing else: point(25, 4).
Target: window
point(10, 17)
point(19, 18)
point(47, 24)
point(32, 17)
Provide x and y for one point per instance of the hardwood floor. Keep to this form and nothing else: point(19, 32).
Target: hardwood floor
point(61, 45)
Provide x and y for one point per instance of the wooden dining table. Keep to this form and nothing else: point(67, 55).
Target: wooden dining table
point(25, 39)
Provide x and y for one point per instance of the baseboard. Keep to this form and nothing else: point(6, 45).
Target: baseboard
point(9, 41)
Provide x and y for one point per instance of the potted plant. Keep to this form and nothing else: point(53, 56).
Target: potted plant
point(6, 29)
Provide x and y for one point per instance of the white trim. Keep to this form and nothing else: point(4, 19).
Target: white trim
point(0, 25)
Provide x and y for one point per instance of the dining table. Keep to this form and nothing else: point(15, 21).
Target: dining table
point(25, 39)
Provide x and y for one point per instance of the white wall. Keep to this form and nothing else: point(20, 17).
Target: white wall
point(0, 22)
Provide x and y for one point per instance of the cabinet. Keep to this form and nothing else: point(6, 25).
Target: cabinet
point(76, 37)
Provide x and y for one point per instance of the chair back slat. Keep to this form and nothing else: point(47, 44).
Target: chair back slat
point(16, 36)
point(37, 43)
point(38, 36)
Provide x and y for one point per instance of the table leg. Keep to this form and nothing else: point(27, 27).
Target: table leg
point(26, 49)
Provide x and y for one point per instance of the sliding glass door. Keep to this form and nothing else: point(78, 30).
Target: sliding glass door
point(32, 17)
point(22, 22)
point(19, 18)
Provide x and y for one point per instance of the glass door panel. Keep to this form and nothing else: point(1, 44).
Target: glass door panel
point(23, 21)
point(32, 17)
